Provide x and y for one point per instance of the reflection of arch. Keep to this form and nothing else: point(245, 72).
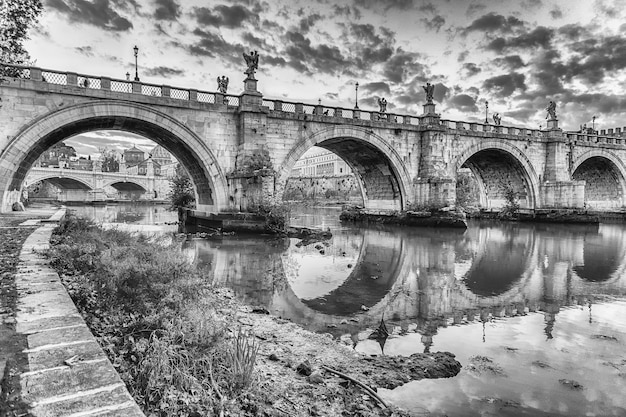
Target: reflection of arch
point(66, 182)
point(372, 277)
point(500, 264)
point(527, 171)
point(602, 256)
point(43, 132)
point(385, 181)
point(605, 193)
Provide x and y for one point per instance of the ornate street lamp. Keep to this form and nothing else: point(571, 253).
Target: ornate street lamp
point(593, 124)
point(486, 112)
point(356, 95)
point(136, 73)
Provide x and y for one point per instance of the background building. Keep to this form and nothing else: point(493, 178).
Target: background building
point(320, 163)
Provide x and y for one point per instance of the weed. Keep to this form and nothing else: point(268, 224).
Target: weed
point(155, 317)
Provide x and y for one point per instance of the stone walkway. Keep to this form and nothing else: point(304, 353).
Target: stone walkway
point(67, 372)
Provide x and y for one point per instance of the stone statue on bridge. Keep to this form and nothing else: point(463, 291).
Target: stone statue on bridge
point(497, 119)
point(222, 84)
point(382, 104)
point(551, 109)
point(430, 90)
point(252, 61)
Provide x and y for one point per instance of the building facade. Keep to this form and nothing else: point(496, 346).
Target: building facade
point(320, 163)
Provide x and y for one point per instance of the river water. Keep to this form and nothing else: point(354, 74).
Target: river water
point(536, 314)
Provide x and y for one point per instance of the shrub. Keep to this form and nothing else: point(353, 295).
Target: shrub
point(155, 317)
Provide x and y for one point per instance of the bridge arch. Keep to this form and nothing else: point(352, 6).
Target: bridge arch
point(605, 178)
point(82, 184)
point(132, 185)
point(43, 132)
point(384, 181)
point(494, 162)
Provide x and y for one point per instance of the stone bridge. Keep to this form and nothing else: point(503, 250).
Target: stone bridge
point(79, 185)
point(240, 149)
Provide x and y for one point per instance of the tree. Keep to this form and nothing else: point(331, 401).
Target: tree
point(109, 161)
point(182, 193)
point(16, 17)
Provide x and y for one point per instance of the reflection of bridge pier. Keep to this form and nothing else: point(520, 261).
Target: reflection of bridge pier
point(423, 280)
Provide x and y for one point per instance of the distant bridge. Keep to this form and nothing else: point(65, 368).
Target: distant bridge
point(241, 149)
point(81, 185)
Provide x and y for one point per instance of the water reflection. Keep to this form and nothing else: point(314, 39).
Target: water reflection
point(428, 277)
point(127, 213)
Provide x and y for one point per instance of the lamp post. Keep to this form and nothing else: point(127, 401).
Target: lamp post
point(356, 95)
point(136, 50)
point(593, 124)
point(486, 112)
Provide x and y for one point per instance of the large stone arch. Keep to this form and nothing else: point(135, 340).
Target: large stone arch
point(615, 194)
point(386, 178)
point(43, 132)
point(526, 169)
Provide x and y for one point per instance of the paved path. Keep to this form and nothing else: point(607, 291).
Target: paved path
point(67, 373)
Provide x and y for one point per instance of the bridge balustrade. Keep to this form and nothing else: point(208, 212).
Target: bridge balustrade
point(609, 136)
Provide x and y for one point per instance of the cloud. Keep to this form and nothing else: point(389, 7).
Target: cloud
point(385, 4)
point(512, 62)
point(224, 16)
point(307, 58)
point(370, 45)
point(162, 71)
point(401, 65)
point(556, 13)
point(167, 10)
point(213, 45)
point(435, 23)
point(471, 69)
point(376, 87)
point(427, 8)
point(85, 50)
point(307, 22)
point(532, 5)
point(99, 13)
point(504, 85)
point(493, 22)
point(463, 102)
point(350, 12)
point(475, 8)
point(540, 37)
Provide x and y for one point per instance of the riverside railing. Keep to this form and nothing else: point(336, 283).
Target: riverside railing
point(90, 82)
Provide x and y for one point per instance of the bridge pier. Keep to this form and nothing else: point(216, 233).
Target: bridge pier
point(558, 190)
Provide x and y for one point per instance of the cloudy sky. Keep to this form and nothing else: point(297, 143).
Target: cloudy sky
point(518, 55)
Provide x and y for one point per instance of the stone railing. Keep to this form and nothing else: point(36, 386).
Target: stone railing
point(594, 138)
point(154, 90)
point(90, 82)
point(489, 128)
point(616, 132)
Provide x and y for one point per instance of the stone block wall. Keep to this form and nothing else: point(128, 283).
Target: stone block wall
point(332, 188)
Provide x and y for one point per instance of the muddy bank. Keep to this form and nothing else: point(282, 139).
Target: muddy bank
point(172, 337)
point(436, 218)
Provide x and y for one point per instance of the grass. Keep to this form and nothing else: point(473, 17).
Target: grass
point(157, 319)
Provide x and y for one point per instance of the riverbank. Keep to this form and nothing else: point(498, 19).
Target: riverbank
point(425, 218)
point(183, 346)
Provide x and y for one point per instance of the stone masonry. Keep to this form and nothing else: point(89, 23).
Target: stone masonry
point(398, 159)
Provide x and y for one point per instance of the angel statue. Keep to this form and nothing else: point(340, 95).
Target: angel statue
point(551, 110)
point(252, 61)
point(429, 89)
point(497, 119)
point(222, 84)
point(382, 103)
